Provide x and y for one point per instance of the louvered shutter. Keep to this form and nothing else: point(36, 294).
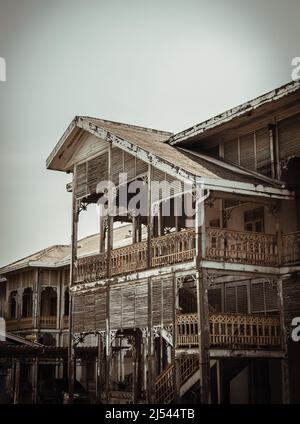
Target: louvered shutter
point(231, 150)
point(289, 137)
point(81, 180)
point(247, 151)
point(263, 151)
point(215, 299)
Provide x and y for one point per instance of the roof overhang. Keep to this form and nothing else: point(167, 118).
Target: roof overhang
point(239, 115)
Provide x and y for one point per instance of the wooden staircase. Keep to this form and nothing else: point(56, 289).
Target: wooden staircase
point(189, 374)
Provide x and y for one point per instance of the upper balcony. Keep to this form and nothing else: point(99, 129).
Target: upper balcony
point(221, 245)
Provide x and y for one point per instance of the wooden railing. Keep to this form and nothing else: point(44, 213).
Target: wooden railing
point(129, 259)
point(232, 331)
point(66, 321)
point(221, 245)
point(92, 268)
point(48, 321)
point(12, 325)
point(241, 247)
point(26, 323)
point(173, 248)
point(291, 248)
point(165, 385)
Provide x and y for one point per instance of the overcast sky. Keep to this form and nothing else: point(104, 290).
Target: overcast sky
point(165, 64)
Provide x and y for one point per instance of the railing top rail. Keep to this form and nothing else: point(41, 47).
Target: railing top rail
point(254, 233)
point(164, 373)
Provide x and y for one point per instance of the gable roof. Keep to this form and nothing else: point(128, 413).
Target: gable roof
point(151, 147)
point(59, 255)
point(239, 115)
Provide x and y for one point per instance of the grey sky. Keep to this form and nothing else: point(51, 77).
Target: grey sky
point(164, 64)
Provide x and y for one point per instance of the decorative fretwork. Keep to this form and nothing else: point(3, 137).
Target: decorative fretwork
point(221, 245)
point(129, 259)
point(173, 248)
point(291, 248)
point(92, 268)
point(232, 331)
point(241, 247)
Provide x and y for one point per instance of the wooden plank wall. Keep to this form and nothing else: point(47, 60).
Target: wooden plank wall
point(128, 306)
point(291, 299)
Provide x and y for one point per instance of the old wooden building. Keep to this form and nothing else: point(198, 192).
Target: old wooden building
point(194, 300)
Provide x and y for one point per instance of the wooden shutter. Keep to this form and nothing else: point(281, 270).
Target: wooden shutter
point(231, 150)
point(247, 151)
point(215, 299)
point(89, 312)
point(79, 311)
point(263, 297)
point(230, 299)
point(100, 309)
point(141, 304)
point(128, 307)
point(167, 304)
point(289, 137)
point(115, 308)
point(81, 180)
point(97, 171)
point(236, 299)
point(263, 152)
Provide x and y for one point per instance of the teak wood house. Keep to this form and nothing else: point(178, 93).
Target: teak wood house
point(181, 312)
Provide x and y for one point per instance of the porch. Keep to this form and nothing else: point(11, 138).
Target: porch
point(240, 247)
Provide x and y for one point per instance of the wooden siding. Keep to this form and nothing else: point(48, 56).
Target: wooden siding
point(289, 137)
point(162, 301)
point(291, 299)
point(89, 174)
point(21, 280)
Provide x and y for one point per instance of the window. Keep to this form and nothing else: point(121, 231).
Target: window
point(254, 220)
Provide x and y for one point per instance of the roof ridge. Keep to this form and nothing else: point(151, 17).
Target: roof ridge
point(125, 125)
point(39, 252)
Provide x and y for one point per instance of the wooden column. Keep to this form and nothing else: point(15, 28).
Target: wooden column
point(36, 302)
point(16, 385)
point(150, 217)
point(202, 308)
point(34, 380)
point(110, 219)
point(151, 375)
point(73, 261)
point(107, 346)
point(285, 381)
point(284, 362)
point(175, 361)
point(99, 376)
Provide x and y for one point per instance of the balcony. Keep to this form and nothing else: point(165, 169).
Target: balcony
point(66, 321)
point(27, 323)
point(48, 321)
point(222, 245)
point(291, 248)
point(231, 331)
